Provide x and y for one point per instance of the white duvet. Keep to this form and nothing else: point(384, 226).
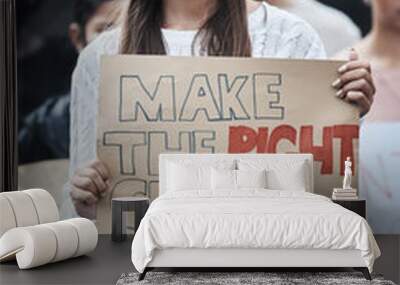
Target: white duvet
point(252, 218)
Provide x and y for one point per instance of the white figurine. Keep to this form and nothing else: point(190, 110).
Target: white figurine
point(347, 174)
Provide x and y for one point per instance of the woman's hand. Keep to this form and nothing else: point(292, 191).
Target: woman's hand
point(89, 184)
point(355, 83)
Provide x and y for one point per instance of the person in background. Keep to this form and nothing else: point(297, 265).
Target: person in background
point(239, 28)
point(380, 129)
point(382, 48)
point(45, 131)
point(336, 29)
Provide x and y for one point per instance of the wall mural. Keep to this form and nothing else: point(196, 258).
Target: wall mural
point(150, 105)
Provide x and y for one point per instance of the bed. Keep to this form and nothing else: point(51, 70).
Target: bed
point(247, 211)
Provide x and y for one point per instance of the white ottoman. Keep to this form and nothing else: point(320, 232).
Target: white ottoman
point(41, 244)
point(31, 233)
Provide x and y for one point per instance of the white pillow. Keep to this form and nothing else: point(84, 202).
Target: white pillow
point(223, 179)
point(281, 174)
point(288, 177)
point(251, 179)
point(187, 177)
point(237, 179)
point(206, 161)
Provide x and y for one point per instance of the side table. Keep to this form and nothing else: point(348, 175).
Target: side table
point(356, 206)
point(126, 204)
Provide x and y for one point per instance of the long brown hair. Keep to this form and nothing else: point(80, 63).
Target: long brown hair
point(225, 33)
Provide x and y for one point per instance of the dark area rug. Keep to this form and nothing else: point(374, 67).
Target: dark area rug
point(268, 278)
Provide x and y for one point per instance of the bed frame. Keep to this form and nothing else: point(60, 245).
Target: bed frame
point(242, 259)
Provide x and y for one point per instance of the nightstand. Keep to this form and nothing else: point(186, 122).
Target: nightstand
point(139, 205)
point(357, 206)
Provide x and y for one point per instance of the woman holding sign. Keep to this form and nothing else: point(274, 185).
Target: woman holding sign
point(240, 28)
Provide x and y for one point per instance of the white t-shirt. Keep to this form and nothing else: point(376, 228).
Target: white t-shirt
point(274, 33)
point(335, 28)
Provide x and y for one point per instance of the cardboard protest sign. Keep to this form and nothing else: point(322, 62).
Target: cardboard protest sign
point(154, 104)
